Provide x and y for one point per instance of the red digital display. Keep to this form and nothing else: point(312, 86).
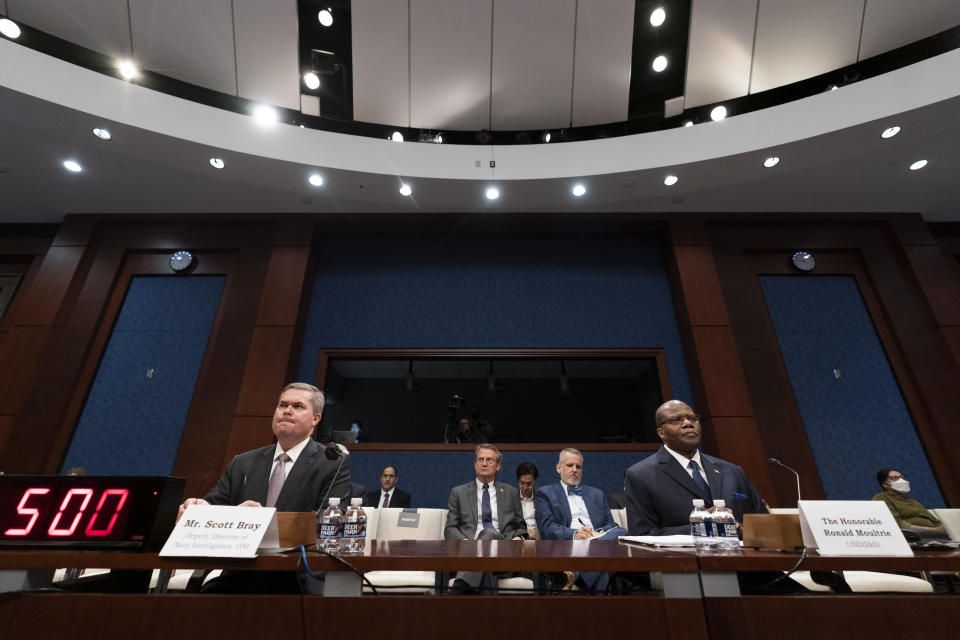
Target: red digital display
point(92, 511)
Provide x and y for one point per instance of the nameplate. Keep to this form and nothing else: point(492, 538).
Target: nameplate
point(408, 518)
point(851, 528)
point(211, 531)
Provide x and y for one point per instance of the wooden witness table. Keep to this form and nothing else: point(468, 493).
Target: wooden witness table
point(672, 615)
point(78, 616)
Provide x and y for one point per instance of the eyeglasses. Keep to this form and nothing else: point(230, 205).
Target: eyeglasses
point(678, 420)
point(894, 478)
point(487, 460)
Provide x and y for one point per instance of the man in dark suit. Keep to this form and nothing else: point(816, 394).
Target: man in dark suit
point(389, 495)
point(660, 489)
point(294, 474)
point(570, 510)
point(483, 510)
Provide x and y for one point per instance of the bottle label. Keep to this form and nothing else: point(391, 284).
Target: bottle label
point(708, 528)
point(698, 529)
point(727, 530)
point(354, 529)
point(330, 530)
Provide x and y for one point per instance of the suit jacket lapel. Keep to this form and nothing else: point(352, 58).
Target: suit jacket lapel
point(473, 506)
point(561, 490)
point(714, 477)
point(501, 521)
point(672, 468)
point(299, 472)
point(256, 483)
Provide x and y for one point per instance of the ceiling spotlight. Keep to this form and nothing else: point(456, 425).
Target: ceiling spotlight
point(659, 63)
point(127, 69)
point(919, 164)
point(9, 28)
point(578, 190)
point(889, 132)
point(832, 87)
point(439, 138)
point(396, 136)
point(688, 123)
point(546, 137)
point(405, 190)
point(492, 193)
point(772, 161)
point(312, 80)
point(217, 163)
point(325, 17)
point(718, 113)
point(670, 180)
point(265, 115)
point(103, 134)
point(657, 16)
point(315, 179)
point(72, 166)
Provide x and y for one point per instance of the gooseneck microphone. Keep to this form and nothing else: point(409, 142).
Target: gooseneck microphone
point(332, 452)
point(780, 464)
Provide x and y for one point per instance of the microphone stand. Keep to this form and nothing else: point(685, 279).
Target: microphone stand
point(780, 464)
point(332, 452)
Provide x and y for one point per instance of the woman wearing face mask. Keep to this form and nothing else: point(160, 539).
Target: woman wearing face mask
point(909, 513)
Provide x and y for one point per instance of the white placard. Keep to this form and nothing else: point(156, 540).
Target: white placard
point(851, 528)
point(223, 532)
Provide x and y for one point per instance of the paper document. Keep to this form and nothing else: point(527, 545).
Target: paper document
point(661, 541)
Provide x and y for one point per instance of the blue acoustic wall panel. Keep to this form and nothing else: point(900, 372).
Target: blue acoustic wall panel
point(856, 423)
point(492, 291)
point(428, 476)
point(131, 424)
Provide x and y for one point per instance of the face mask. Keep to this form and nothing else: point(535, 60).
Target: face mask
point(902, 485)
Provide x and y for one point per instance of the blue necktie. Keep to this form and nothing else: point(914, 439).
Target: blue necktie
point(486, 515)
point(699, 480)
point(574, 491)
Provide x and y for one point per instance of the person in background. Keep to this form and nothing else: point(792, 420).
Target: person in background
point(908, 513)
point(527, 475)
point(389, 495)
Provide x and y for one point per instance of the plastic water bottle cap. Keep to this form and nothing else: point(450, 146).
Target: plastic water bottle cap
point(719, 503)
point(697, 502)
point(334, 502)
point(356, 501)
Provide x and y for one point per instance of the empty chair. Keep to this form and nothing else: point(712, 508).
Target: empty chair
point(951, 521)
point(390, 526)
point(620, 517)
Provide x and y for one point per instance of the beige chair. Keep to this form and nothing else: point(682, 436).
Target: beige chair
point(951, 521)
point(429, 527)
point(620, 517)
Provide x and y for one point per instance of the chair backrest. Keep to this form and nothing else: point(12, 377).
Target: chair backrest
point(373, 521)
point(951, 521)
point(792, 510)
point(429, 527)
point(620, 516)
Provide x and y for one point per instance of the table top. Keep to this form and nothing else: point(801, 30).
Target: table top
point(395, 555)
point(755, 560)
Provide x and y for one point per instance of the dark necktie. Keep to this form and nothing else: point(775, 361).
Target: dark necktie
point(386, 500)
point(574, 491)
point(699, 480)
point(276, 481)
point(486, 515)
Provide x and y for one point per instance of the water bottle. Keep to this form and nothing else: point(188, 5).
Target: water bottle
point(354, 528)
point(701, 526)
point(330, 527)
point(726, 527)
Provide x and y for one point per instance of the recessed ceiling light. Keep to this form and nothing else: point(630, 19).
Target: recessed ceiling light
point(670, 180)
point(217, 163)
point(439, 138)
point(889, 132)
point(405, 190)
point(688, 123)
point(833, 87)
point(772, 161)
point(9, 28)
point(72, 165)
point(315, 179)
point(127, 69)
point(492, 193)
point(397, 136)
point(657, 16)
point(659, 63)
point(547, 136)
point(578, 190)
point(325, 17)
point(919, 164)
point(312, 80)
point(265, 115)
point(718, 113)
point(103, 134)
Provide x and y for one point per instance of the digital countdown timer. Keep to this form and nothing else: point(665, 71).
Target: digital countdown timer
point(84, 512)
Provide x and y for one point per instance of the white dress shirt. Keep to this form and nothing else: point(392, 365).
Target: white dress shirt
point(383, 493)
point(685, 462)
point(579, 517)
point(529, 514)
point(294, 453)
point(492, 490)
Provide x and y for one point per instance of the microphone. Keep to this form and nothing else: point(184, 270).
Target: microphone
point(332, 452)
point(780, 464)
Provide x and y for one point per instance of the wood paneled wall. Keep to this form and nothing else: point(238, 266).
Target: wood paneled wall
point(53, 336)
